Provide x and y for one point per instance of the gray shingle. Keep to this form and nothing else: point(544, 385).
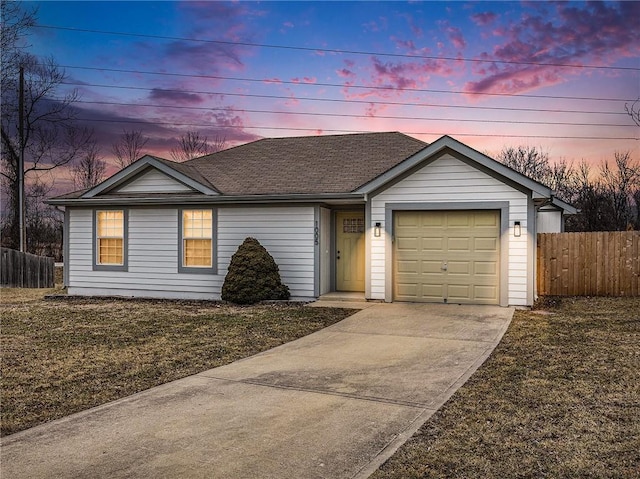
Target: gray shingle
point(305, 165)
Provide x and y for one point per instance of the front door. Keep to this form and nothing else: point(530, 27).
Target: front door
point(350, 254)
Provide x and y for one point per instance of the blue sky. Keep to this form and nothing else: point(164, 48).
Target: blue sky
point(488, 73)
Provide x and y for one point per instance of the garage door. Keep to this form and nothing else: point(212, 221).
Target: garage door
point(447, 256)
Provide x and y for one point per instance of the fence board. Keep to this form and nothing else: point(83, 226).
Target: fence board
point(25, 270)
point(589, 264)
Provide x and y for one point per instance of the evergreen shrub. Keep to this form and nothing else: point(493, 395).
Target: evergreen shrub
point(253, 276)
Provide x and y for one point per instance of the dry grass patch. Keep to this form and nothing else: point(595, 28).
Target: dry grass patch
point(63, 356)
point(559, 397)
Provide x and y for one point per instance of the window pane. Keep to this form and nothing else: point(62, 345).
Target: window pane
point(197, 252)
point(110, 224)
point(110, 251)
point(197, 223)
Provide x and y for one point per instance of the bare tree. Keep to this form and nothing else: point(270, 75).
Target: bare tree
point(44, 223)
point(89, 170)
point(621, 183)
point(633, 110)
point(531, 161)
point(129, 147)
point(192, 145)
point(51, 137)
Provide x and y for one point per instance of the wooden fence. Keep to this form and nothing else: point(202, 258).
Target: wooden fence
point(25, 270)
point(589, 264)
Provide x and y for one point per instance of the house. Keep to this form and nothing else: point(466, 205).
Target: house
point(382, 214)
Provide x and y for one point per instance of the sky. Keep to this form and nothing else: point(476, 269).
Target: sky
point(490, 74)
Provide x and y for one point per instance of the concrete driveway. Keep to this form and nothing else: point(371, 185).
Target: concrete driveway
point(335, 404)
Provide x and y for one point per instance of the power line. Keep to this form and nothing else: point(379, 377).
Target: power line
point(102, 120)
point(338, 85)
point(333, 50)
point(337, 100)
point(347, 115)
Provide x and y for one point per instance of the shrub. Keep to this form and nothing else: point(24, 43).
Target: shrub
point(253, 276)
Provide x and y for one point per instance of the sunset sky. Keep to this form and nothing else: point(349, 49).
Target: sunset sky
point(490, 74)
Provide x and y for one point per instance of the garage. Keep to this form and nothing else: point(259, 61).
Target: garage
point(447, 256)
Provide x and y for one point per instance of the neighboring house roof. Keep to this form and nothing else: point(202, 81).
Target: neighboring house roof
point(299, 168)
point(305, 165)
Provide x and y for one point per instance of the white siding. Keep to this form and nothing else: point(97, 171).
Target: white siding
point(549, 221)
point(153, 181)
point(286, 232)
point(448, 180)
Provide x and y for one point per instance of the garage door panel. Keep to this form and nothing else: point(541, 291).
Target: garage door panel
point(408, 244)
point(434, 267)
point(466, 241)
point(432, 244)
point(459, 267)
point(485, 244)
point(484, 293)
point(407, 291)
point(458, 219)
point(485, 268)
point(458, 292)
point(409, 220)
point(431, 292)
point(486, 218)
point(408, 266)
point(458, 244)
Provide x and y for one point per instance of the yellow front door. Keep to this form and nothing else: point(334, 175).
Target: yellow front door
point(350, 255)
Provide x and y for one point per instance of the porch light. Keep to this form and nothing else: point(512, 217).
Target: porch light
point(376, 230)
point(517, 231)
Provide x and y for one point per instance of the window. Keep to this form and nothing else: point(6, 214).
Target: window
point(110, 239)
point(197, 239)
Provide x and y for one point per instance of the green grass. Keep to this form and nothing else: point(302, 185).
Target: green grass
point(63, 356)
point(558, 398)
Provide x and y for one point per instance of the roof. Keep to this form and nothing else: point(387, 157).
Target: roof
point(318, 168)
point(305, 165)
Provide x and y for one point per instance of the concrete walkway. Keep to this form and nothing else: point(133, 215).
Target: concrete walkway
point(335, 404)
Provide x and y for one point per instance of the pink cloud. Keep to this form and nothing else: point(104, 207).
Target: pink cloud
point(345, 73)
point(596, 33)
point(455, 35)
point(306, 80)
point(484, 18)
point(272, 81)
point(376, 26)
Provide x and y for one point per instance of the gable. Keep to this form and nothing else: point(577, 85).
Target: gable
point(447, 178)
point(152, 181)
point(475, 160)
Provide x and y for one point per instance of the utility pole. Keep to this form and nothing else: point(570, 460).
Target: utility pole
point(21, 202)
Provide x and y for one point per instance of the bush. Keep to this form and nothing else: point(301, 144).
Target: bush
point(253, 276)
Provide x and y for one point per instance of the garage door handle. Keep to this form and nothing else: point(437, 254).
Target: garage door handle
point(444, 267)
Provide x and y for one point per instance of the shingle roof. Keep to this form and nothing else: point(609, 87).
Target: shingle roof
point(305, 165)
point(186, 170)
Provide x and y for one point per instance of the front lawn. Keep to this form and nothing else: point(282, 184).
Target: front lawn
point(559, 398)
point(63, 356)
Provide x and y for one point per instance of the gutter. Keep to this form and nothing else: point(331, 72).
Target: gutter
point(208, 200)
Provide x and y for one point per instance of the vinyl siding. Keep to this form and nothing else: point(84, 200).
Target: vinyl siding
point(153, 181)
point(286, 232)
point(549, 221)
point(449, 180)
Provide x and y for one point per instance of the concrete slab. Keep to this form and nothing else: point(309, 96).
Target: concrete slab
point(335, 404)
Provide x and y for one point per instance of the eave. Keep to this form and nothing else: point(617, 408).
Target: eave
point(328, 198)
